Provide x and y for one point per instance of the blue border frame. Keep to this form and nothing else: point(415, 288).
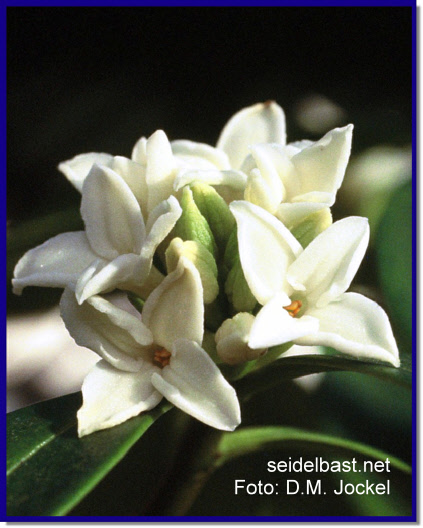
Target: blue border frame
point(215, 519)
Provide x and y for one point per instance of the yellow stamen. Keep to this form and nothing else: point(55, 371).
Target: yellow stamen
point(293, 308)
point(162, 357)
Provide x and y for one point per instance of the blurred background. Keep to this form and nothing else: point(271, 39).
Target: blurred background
point(96, 79)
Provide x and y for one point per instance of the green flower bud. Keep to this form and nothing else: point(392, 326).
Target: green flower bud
point(237, 290)
point(215, 210)
point(192, 225)
point(201, 258)
point(231, 252)
point(314, 224)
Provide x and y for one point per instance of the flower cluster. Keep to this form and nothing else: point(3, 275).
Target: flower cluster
point(225, 251)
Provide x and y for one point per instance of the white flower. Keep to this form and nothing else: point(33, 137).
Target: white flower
point(298, 179)
point(115, 250)
point(303, 291)
point(153, 168)
point(260, 123)
point(144, 360)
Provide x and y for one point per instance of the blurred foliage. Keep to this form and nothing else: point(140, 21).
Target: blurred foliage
point(395, 256)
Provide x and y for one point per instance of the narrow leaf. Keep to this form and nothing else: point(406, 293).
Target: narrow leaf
point(292, 367)
point(50, 469)
point(252, 439)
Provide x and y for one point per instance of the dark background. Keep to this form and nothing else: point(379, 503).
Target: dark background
point(96, 79)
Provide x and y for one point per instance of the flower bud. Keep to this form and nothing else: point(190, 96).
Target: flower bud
point(314, 224)
point(201, 258)
point(215, 210)
point(192, 225)
point(232, 340)
point(238, 291)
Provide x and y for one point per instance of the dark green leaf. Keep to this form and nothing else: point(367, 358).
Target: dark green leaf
point(296, 366)
point(50, 469)
point(252, 439)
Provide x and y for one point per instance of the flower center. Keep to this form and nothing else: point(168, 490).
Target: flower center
point(162, 357)
point(293, 308)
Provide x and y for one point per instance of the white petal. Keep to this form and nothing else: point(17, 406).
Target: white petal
point(134, 175)
point(160, 223)
point(329, 263)
point(111, 396)
point(274, 326)
point(139, 152)
point(321, 166)
point(114, 334)
point(193, 383)
point(175, 308)
point(56, 263)
point(103, 276)
point(260, 123)
point(263, 156)
point(231, 178)
point(143, 290)
point(77, 168)
point(278, 158)
point(200, 155)
point(160, 169)
point(259, 192)
point(315, 197)
point(357, 326)
point(292, 213)
point(112, 215)
point(266, 249)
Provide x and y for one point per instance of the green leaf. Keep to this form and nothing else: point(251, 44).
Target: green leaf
point(50, 469)
point(296, 366)
point(394, 254)
point(252, 439)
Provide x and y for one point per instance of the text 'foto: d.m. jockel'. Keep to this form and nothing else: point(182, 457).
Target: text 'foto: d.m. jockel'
point(229, 253)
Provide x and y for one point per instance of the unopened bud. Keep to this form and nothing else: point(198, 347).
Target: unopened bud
point(202, 259)
point(314, 224)
point(192, 225)
point(232, 340)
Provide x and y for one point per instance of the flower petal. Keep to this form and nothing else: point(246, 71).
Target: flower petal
point(321, 166)
point(291, 214)
point(193, 383)
point(114, 334)
point(264, 158)
point(200, 155)
point(175, 308)
point(274, 326)
point(260, 123)
point(161, 166)
point(357, 326)
point(112, 215)
point(329, 263)
point(57, 263)
point(103, 276)
point(259, 192)
point(77, 168)
point(139, 152)
point(266, 249)
point(134, 174)
point(111, 396)
point(160, 223)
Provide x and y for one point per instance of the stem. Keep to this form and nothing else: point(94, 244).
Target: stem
point(196, 463)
